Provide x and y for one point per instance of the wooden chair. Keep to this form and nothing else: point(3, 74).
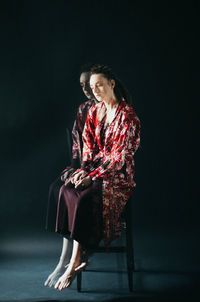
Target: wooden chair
point(127, 248)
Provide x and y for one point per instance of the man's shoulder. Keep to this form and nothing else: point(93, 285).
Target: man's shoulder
point(94, 108)
point(85, 106)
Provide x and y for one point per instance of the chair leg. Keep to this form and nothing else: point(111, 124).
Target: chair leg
point(129, 252)
point(129, 261)
point(79, 279)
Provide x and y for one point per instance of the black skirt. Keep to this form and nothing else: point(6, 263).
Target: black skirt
point(76, 213)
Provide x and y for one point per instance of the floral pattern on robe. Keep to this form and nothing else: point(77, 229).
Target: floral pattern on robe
point(108, 154)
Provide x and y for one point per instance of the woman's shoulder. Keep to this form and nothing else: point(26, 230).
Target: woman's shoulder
point(129, 111)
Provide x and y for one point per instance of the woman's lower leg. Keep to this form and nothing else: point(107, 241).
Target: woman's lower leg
point(61, 266)
point(66, 279)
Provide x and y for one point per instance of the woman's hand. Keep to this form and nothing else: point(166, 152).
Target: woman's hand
point(76, 176)
point(83, 182)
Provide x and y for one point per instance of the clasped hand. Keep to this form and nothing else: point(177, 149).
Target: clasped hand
point(80, 180)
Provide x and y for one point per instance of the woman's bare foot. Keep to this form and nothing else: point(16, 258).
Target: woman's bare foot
point(67, 278)
point(84, 261)
point(59, 271)
point(53, 277)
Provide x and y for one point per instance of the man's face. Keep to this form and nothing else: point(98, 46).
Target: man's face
point(84, 82)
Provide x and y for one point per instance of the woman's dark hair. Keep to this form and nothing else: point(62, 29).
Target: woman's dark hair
point(119, 90)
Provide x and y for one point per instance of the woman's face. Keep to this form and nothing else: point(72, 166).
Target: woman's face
point(84, 82)
point(102, 88)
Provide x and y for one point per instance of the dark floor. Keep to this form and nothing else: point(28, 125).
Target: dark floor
point(165, 268)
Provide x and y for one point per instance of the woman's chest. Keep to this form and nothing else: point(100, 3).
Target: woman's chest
point(107, 134)
point(110, 115)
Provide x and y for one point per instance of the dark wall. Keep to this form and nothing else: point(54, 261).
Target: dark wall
point(152, 48)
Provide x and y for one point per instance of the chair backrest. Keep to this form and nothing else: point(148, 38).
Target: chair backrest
point(69, 142)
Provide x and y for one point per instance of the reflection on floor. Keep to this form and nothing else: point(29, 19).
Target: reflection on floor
point(164, 268)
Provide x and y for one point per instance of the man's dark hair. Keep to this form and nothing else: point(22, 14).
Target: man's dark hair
point(86, 67)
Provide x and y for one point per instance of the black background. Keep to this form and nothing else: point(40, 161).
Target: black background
point(153, 47)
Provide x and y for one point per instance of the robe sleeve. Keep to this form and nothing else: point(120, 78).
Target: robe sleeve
point(77, 131)
point(76, 134)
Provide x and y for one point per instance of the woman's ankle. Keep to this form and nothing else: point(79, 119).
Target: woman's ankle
point(74, 262)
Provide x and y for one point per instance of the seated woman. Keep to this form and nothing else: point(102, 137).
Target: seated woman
point(92, 199)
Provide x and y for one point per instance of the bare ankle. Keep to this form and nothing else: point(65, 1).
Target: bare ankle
point(74, 262)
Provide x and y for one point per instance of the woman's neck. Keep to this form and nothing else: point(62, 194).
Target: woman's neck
point(111, 103)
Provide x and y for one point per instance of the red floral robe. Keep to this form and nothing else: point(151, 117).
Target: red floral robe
point(108, 154)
